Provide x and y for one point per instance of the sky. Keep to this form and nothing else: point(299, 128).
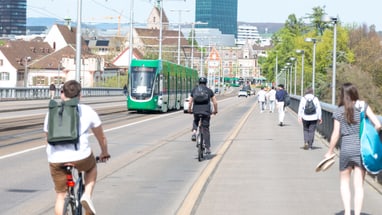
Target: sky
point(277, 11)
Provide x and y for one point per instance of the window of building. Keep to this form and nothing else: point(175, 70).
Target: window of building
point(1, 62)
point(20, 76)
point(4, 76)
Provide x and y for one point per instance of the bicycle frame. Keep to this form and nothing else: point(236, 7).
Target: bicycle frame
point(200, 140)
point(76, 188)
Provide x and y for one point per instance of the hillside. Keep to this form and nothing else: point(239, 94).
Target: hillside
point(263, 28)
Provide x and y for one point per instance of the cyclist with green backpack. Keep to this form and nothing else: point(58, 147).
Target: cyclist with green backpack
point(61, 149)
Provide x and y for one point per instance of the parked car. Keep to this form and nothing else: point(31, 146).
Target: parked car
point(243, 93)
point(185, 104)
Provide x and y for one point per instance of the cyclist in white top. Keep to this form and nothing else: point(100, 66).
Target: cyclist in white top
point(82, 158)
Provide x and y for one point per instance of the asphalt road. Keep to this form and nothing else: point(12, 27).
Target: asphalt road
point(153, 167)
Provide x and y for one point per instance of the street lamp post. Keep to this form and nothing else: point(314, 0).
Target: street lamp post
point(314, 41)
point(276, 70)
point(26, 60)
point(334, 20)
point(180, 20)
point(287, 67)
point(193, 38)
point(160, 29)
point(302, 52)
point(293, 59)
point(78, 40)
point(131, 31)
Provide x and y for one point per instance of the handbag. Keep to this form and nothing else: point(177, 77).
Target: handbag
point(371, 145)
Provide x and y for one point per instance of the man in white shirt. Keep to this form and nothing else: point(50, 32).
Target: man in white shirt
point(272, 99)
point(309, 121)
point(261, 96)
point(82, 158)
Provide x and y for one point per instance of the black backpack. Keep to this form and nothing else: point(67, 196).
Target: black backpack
point(64, 122)
point(200, 95)
point(310, 107)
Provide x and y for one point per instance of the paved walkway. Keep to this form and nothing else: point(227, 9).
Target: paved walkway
point(266, 171)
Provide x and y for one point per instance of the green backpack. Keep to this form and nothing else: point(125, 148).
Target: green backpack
point(63, 122)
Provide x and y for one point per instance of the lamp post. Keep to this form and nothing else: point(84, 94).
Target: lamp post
point(302, 52)
point(180, 20)
point(131, 31)
point(276, 69)
point(314, 41)
point(193, 38)
point(78, 40)
point(334, 21)
point(160, 29)
point(287, 67)
point(26, 60)
point(293, 59)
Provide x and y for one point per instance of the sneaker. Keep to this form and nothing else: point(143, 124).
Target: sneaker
point(281, 124)
point(87, 204)
point(306, 146)
point(208, 151)
point(193, 137)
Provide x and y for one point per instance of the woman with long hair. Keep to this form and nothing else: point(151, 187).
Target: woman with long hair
point(346, 126)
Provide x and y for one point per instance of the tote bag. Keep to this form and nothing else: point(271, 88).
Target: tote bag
point(371, 145)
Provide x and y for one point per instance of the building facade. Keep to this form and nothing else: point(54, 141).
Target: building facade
point(220, 14)
point(247, 33)
point(13, 17)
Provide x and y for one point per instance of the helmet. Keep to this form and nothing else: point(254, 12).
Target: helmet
point(202, 80)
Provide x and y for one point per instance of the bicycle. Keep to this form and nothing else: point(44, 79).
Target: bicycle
point(76, 187)
point(200, 141)
point(72, 204)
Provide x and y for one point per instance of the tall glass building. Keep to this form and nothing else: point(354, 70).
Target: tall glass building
point(221, 14)
point(13, 17)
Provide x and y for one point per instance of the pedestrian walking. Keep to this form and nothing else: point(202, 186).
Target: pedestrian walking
point(309, 114)
point(346, 127)
point(125, 90)
point(261, 96)
point(280, 98)
point(272, 99)
point(52, 90)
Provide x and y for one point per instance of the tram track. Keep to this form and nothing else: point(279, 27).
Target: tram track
point(19, 133)
point(23, 132)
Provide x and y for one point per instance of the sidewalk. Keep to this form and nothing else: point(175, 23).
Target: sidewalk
point(266, 171)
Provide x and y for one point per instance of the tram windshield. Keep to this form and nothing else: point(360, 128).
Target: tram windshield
point(142, 82)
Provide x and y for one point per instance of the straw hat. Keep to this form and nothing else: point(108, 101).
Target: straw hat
point(326, 163)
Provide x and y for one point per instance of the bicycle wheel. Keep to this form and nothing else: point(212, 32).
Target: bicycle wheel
point(69, 207)
point(199, 140)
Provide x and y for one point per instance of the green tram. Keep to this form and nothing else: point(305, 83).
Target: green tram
point(158, 85)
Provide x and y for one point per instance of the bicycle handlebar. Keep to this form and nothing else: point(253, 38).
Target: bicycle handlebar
point(99, 160)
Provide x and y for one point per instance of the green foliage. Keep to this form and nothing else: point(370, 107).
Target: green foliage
point(358, 56)
point(114, 82)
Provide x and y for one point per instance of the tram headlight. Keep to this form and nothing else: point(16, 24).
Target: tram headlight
point(160, 101)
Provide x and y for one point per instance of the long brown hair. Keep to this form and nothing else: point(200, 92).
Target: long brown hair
point(349, 94)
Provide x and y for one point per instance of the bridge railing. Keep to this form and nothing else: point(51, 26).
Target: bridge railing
point(30, 93)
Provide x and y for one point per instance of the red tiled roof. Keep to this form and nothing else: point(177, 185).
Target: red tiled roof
point(16, 51)
point(151, 37)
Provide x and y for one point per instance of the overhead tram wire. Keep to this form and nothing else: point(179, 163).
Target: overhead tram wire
point(44, 12)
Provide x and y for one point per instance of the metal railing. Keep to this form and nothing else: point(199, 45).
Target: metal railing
point(29, 93)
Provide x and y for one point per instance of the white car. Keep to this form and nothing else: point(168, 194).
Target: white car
point(243, 93)
point(185, 104)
